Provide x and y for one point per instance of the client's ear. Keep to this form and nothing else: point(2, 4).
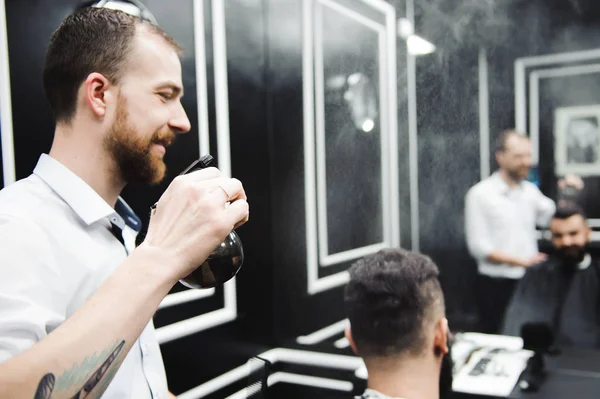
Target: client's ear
point(348, 334)
point(440, 337)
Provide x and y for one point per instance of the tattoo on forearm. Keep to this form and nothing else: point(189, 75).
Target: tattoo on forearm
point(78, 373)
point(71, 377)
point(45, 387)
point(105, 382)
point(97, 376)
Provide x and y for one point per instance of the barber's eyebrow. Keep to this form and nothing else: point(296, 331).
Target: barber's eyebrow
point(177, 89)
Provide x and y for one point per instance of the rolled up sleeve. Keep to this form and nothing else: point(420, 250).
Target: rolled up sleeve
point(477, 234)
point(545, 208)
point(29, 286)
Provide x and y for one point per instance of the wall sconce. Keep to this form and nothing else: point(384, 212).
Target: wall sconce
point(415, 44)
point(359, 94)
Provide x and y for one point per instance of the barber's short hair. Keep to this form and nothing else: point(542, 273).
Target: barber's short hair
point(390, 298)
point(503, 138)
point(92, 39)
point(568, 209)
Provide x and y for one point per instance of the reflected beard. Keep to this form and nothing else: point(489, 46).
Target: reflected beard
point(572, 256)
point(516, 175)
point(133, 155)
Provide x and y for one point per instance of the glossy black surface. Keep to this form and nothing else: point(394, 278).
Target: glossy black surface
point(221, 266)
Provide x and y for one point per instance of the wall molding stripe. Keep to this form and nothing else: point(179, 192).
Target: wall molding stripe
point(324, 333)
point(6, 120)
point(277, 355)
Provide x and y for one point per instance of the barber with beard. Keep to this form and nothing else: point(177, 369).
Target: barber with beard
point(76, 296)
point(501, 214)
point(563, 290)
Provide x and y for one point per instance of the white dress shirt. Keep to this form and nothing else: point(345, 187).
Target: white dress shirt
point(501, 218)
point(373, 394)
point(56, 249)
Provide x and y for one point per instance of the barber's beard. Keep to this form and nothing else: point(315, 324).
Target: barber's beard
point(134, 159)
point(517, 175)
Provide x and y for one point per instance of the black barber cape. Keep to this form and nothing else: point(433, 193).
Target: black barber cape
point(565, 298)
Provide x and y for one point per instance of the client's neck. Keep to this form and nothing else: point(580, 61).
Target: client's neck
point(407, 378)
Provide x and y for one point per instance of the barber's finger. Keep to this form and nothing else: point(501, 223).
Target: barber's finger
point(232, 188)
point(238, 212)
point(203, 174)
point(241, 223)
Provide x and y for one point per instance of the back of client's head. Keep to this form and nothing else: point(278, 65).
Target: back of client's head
point(395, 305)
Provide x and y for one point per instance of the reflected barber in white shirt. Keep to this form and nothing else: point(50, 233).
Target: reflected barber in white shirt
point(501, 215)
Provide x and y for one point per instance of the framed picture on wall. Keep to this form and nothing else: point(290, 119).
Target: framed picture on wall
point(577, 140)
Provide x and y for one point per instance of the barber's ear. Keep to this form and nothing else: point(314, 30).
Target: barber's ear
point(98, 93)
point(348, 334)
point(498, 156)
point(440, 338)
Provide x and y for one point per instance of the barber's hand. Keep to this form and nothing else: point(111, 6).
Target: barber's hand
point(192, 217)
point(571, 181)
point(534, 260)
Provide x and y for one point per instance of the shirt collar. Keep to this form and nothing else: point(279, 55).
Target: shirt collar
point(585, 263)
point(502, 185)
point(82, 198)
point(373, 394)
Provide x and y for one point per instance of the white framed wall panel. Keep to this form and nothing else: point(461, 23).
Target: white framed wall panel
point(534, 101)
point(534, 95)
point(325, 258)
point(314, 138)
point(521, 66)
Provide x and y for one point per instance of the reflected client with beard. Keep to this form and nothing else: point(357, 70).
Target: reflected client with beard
point(501, 214)
point(563, 290)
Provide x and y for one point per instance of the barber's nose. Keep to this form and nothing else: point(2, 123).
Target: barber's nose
point(180, 122)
